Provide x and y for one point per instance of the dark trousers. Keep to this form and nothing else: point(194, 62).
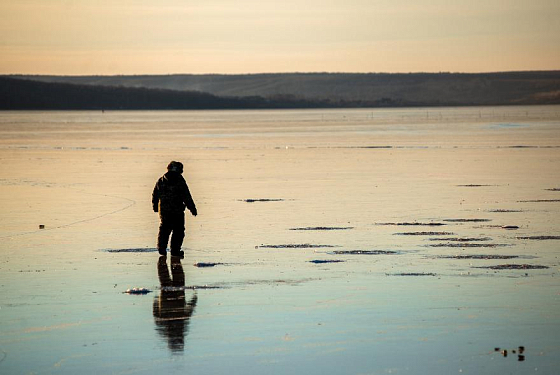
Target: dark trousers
point(171, 222)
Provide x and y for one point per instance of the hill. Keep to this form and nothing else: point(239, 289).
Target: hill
point(430, 89)
point(23, 94)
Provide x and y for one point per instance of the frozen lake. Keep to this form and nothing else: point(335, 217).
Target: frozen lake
point(336, 241)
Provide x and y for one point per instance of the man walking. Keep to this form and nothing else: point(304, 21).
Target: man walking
point(170, 198)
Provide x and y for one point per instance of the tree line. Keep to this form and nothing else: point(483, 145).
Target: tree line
point(23, 94)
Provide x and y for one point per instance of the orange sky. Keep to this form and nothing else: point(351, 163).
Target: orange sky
point(253, 36)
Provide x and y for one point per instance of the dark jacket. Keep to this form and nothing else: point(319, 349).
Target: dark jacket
point(171, 195)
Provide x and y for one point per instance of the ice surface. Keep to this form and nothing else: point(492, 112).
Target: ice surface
point(88, 177)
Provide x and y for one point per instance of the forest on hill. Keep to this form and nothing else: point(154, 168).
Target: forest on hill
point(282, 90)
point(22, 94)
point(430, 89)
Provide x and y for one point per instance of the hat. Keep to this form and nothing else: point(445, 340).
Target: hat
point(175, 166)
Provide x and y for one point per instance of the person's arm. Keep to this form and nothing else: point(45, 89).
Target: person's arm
point(189, 203)
point(155, 198)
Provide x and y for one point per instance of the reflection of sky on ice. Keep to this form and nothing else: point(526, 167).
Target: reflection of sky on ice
point(269, 309)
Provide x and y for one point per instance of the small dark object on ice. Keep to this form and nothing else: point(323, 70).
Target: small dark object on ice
point(364, 252)
point(262, 200)
point(496, 349)
point(539, 238)
point(467, 220)
point(41, 226)
point(424, 234)
point(520, 358)
point(321, 261)
point(504, 353)
point(322, 228)
point(553, 189)
point(510, 227)
point(516, 267)
point(138, 291)
point(521, 349)
point(412, 274)
point(201, 264)
point(413, 224)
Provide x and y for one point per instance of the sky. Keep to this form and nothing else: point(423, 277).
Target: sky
point(84, 37)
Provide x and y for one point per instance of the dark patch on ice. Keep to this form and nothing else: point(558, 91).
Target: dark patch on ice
point(134, 250)
point(22, 271)
point(521, 146)
point(321, 261)
point(481, 256)
point(295, 246)
point(553, 189)
point(504, 211)
point(262, 200)
point(411, 274)
point(137, 291)
point(495, 226)
point(413, 224)
point(474, 185)
point(462, 239)
point(516, 267)
point(365, 252)
point(208, 264)
point(467, 220)
point(539, 238)
point(374, 147)
point(322, 228)
point(539, 201)
point(509, 227)
point(424, 234)
point(190, 287)
point(468, 245)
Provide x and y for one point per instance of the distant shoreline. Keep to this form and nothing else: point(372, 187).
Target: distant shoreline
point(279, 91)
point(3, 110)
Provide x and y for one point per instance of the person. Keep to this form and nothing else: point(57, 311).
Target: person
point(170, 197)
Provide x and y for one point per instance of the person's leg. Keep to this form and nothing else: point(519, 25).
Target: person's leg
point(163, 272)
point(178, 233)
point(163, 235)
point(178, 273)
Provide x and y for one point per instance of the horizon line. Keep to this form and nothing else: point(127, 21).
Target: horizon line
point(278, 73)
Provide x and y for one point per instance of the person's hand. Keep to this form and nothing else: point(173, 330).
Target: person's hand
point(155, 209)
point(194, 212)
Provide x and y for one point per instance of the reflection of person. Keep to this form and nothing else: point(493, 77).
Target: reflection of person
point(171, 311)
point(170, 197)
